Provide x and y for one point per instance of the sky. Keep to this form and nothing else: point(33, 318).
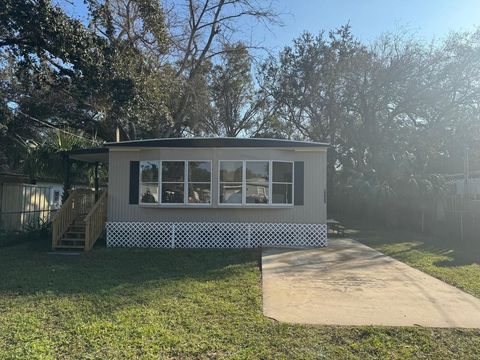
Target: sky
point(426, 19)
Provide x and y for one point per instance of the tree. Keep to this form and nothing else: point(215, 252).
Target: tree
point(393, 111)
point(38, 32)
point(308, 88)
point(44, 158)
point(236, 106)
point(200, 32)
point(51, 70)
point(142, 84)
point(165, 57)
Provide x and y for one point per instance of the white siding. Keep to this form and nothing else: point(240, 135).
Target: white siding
point(313, 211)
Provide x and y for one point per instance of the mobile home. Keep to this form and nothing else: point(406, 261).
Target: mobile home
point(212, 192)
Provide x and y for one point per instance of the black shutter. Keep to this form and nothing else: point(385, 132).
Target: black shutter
point(134, 172)
point(298, 181)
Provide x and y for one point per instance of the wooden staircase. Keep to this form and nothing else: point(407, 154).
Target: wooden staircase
point(74, 237)
point(80, 221)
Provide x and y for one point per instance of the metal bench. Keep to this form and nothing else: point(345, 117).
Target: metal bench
point(336, 227)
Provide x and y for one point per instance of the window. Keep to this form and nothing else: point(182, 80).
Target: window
point(257, 190)
point(253, 182)
point(282, 182)
point(175, 182)
point(149, 181)
point(241, 182)
point(231, 182)
point(199, 182)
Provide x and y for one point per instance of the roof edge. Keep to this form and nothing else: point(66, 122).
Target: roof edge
point(97, 150)
point(218, 142)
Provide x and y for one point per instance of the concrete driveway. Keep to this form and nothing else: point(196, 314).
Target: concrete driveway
point(349, 283)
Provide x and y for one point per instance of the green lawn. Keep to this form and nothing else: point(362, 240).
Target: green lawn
point(451, 261)
point(125, 303)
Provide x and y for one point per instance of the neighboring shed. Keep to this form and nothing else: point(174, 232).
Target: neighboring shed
point(465, 186)
point(26, 206)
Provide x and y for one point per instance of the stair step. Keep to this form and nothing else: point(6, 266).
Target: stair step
point(80, 240)
point(75, 245)
point(72, 243)
point(65, 247)
point(75, 232)
point(72, 239)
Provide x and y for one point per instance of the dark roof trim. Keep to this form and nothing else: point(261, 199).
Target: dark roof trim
point(461, 176)
point(99, 150)
point(14, 177)
point(217, 143)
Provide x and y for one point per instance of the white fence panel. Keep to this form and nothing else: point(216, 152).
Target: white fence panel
point(214, 234)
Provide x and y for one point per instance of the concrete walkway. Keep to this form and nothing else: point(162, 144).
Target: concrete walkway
point(348, 283)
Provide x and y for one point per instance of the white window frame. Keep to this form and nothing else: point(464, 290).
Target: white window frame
point(282, 182)
point(185, 184)
point(198, 182)
point(140, 182)
point(160, 182)
point(219, 184)
point(244, 184)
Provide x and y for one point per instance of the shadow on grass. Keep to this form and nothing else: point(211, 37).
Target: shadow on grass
point(30, 268)
point(456, 261)
point(457, 253)
point(338, 256)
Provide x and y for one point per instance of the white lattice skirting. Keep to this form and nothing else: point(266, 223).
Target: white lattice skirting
point(214, 234)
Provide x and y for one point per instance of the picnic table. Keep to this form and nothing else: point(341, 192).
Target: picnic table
point(336, 226)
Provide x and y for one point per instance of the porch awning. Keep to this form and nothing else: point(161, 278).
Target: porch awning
point(91, 155)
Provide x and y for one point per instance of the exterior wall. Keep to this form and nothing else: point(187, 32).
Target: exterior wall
point(25, 206)
point(473, 187)
point(55, 204)
point(312, 212)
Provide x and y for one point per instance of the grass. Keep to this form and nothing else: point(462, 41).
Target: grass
point(8, 238)
point(453, 262)
point(147, 303)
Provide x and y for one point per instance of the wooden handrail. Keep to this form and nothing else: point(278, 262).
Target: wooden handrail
point(97, 205)
point(77, 204)
point(95, 221)
point(85, 198)
point(63, 218)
